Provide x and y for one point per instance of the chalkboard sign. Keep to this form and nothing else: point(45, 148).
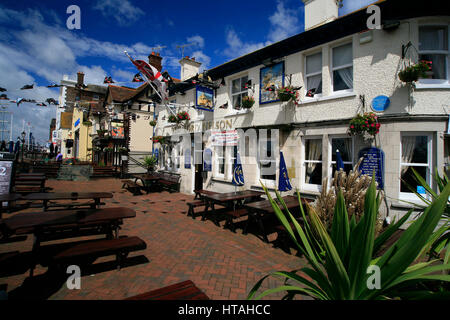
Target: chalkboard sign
point(207, 160)
point(6, 168)
point(373, 161)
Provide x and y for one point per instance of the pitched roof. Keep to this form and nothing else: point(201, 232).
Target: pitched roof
point(121, 94)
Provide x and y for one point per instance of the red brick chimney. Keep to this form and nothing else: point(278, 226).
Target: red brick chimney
point(80, 78)
point(155, 60)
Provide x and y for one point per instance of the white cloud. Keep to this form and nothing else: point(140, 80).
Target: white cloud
point(197, 40)
point(284, 23)
point(121, 10)
point(236, 47)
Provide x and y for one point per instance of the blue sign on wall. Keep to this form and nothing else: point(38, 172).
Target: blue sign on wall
point(77, 123)
point(187, 159)
point(380, 103)
point(373, 162)
point(156, 154)
point(207, 160)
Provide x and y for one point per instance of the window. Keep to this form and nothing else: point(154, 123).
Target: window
point(342, 67)
point(267, 158)
point(177, 157)
point(220, 162)
point(345, 147)
point(238, 91)
point(433, 46)
point(416, 153)
point(313, 73)
point(313, 163)
point(172, 106)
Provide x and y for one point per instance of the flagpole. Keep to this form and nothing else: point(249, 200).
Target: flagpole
point(149, 82)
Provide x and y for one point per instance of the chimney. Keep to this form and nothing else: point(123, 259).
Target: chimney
point(80, 78)
point(319, 12)
point(155, 60)
point(189, 67)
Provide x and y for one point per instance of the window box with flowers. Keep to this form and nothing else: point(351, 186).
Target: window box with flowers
point(364, 124)
point(412, 73)
point(181, 116)
point(247, 102)
point(287, 93)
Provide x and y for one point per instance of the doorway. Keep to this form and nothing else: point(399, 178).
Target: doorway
point(76, 144)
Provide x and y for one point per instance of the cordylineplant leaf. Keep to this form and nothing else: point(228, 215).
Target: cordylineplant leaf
point(361, 243)
point(383, 237)
point(340, 229)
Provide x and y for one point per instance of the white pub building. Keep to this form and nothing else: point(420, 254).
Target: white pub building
point(348, 69)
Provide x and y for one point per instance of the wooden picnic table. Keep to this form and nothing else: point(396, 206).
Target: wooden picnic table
point(8, 197)
point(231, 200)
point(148, 180)
point(261, 209)
point(46, 197)
point(48, 226)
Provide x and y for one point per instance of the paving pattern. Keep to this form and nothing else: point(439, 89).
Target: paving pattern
point(223, 264)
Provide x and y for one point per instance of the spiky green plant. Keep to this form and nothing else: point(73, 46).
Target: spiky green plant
point(339, 262)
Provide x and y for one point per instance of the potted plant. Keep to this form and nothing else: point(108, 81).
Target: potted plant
point(159, 139)
point(172, 119)
point(150, 163)
point(412, 73)
point(362, 123)
point(152, 123)
point(248, 102)
point(184, 115)
point(287, 93)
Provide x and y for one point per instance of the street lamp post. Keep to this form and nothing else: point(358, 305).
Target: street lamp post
point(23, 134)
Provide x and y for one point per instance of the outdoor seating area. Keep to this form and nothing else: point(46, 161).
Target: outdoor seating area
point(37, 245)
point(156, 181)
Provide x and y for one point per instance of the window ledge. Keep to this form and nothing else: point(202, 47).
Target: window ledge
point(406, 206)
point(332, 96)
point(169, 125)
point(237, 112)
point(222, 180)
point(430, 85)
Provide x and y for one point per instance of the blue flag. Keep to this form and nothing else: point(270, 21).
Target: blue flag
point(283, 182)
point(238, 174)
point(339, 162)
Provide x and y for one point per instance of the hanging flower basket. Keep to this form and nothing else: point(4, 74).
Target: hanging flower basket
point(287, 94)
point(159, 139)
point(413, 72)
point(181, 116)
point(152, 123)
point(362, 123)
point(248, 102)
point(172, 119)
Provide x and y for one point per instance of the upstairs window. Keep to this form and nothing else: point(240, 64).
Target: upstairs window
point(433, 46)
point(342, 67)
point(313, 73)
point(238, 91)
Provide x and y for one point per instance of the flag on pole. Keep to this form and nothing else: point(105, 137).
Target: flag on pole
point(152, 74)
point(283, 182)
point(339, 162)
point(238, 174)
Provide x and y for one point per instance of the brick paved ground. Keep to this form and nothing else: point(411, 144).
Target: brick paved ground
point(225, 265)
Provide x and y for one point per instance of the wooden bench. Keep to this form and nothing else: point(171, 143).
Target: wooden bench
point(169, 181)
point(195, 204)
point(64, 254)
point(185, 290)
point(132, 187)
point(234, 214)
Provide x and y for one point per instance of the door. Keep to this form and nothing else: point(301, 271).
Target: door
point(76, 144)
point(198, 176)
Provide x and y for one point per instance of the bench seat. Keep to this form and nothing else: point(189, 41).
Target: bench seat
point(185, 290)
point(132, 186)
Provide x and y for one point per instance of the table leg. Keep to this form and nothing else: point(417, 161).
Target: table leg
point(261, 227)
point(45, 205)
point(207, 206)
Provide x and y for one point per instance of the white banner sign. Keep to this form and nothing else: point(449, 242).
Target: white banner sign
point(224, 137)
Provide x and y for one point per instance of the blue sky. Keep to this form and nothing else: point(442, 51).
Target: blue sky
point(36, 46)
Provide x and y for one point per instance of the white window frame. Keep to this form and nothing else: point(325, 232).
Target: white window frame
point(217, 157)
point(330, 154)
point(309, 186)
point(409, 196)
point(267, 182)
point(177, 153)
point(447, 53)
point(333, 68)
point(245, 91)
point(314, 73)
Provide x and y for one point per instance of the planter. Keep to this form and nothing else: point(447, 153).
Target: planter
point(409, 75)
point(283, 96)
point(248, 102)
